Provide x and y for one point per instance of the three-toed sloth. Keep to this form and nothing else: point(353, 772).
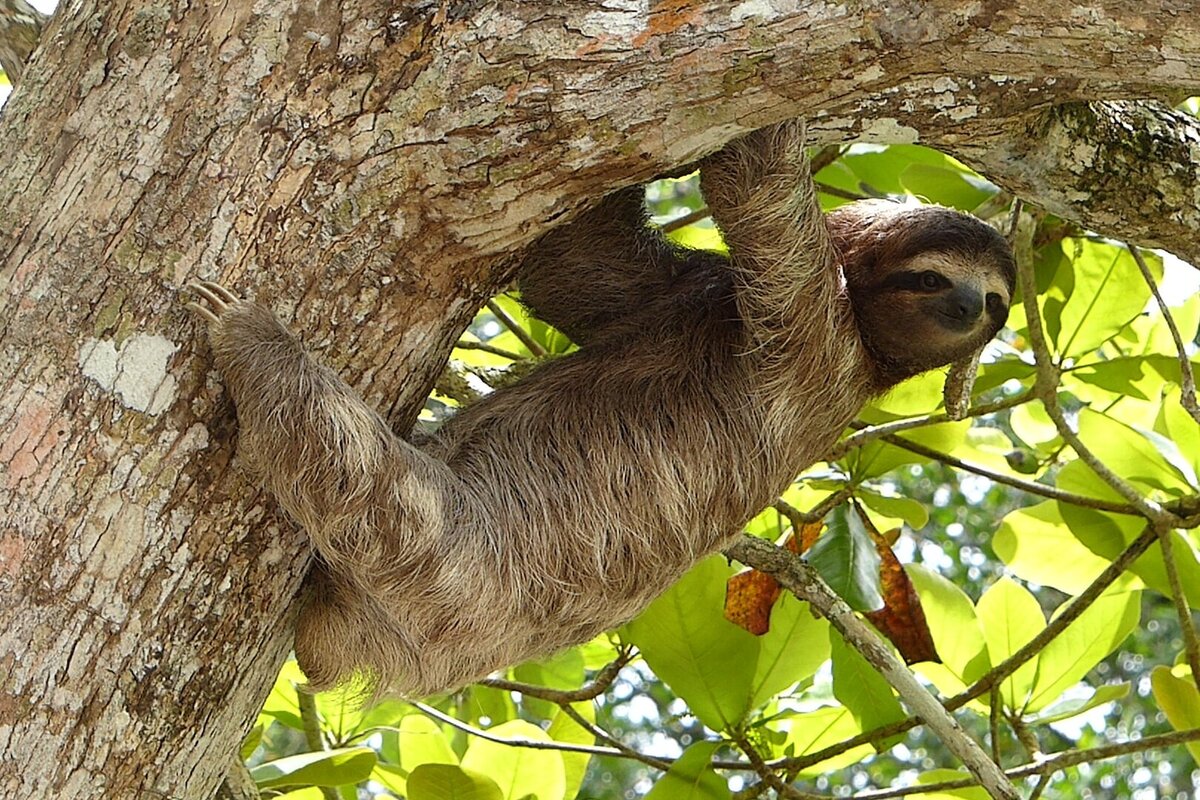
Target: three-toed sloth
point(559, 507)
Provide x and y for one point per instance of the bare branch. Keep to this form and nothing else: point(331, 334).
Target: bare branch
point(20, 28)
point(516, 329)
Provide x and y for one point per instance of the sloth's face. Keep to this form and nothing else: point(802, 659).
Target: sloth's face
point(929, 285)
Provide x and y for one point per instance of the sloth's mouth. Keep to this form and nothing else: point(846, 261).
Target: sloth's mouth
point(956, 322)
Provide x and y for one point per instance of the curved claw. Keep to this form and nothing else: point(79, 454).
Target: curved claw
point(215, 300)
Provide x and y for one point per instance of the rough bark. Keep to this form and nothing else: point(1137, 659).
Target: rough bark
point(369, 168)
point(20, 28)
point(1128, 169)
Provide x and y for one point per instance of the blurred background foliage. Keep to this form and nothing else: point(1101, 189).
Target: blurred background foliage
point(680, 688)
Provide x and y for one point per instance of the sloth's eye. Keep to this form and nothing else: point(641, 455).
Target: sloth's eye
point(994, 302)
point(931, 280)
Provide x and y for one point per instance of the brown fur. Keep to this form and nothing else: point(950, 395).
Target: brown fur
point(561, 506)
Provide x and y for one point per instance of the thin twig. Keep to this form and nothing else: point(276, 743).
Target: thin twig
point(1046, 387)
point(612, 741)
point(1032, 487)
point(799, 578)
point(464, 344)
point(768, 775)
point(799, 518)
point(311, 720)
point(1183, 610)
point(1048, 765)
point(516, 329)
point(687, 219)
point(1187, 381)
point(531, 744)
point(590, 691)
point(994, 723)
point(867, 435)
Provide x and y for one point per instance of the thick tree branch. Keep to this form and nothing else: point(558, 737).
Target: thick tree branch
point(317, 160)
point(20, 28)
point(1124, 168)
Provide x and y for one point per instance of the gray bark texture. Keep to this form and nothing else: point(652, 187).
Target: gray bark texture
point(370, 169)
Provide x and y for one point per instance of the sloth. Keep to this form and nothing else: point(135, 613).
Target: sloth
point(557, 508)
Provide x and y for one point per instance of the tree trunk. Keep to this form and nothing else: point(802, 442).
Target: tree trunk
point(369, 169)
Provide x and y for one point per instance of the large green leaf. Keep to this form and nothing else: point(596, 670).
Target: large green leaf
point(1085, 642)
point(707, 660)
point(1147, 458)
point(845, 556)
point(423, 742)
point(954, 626)
point(1108, 293)
point(1176, 694)
point(692, 777)
point(813, 731)
point(324, 768)
point(565, 729)
point(1010, 617)
point(793, 649)
point(1038, 545)
point(449, 782)
point(860, 687)
point(518, 771)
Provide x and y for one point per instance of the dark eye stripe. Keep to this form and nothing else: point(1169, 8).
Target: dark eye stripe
point(912, 281)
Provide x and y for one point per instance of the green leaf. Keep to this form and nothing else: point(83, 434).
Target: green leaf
point(1036, 544)
point(1132, 455)
point(813, 731)
point(1108, 293)
point(793, 649)
point(281, 705)
point(447, 782)
point(955, 628)
point(1175, 423)
point(422, 741)
point(565, 729)
point(518, 771)
point(1010, 617)
point(1176, 694)
point(845, 556)
point(692, 777)
point(860, 687)
point(1076, 706)
point(250, 743)
point(325, 768)
point(563, 670)
point(951, 187)
point(913, 513)
point(1073, 653)
point(878, 457)
point(708, 661)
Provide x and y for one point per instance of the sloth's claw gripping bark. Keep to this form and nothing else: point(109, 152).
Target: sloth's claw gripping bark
point(216, 300)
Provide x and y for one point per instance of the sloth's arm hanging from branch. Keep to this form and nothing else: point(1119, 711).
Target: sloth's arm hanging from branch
point(761, 194)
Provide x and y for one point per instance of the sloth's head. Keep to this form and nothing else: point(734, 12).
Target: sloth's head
point(929, 285)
